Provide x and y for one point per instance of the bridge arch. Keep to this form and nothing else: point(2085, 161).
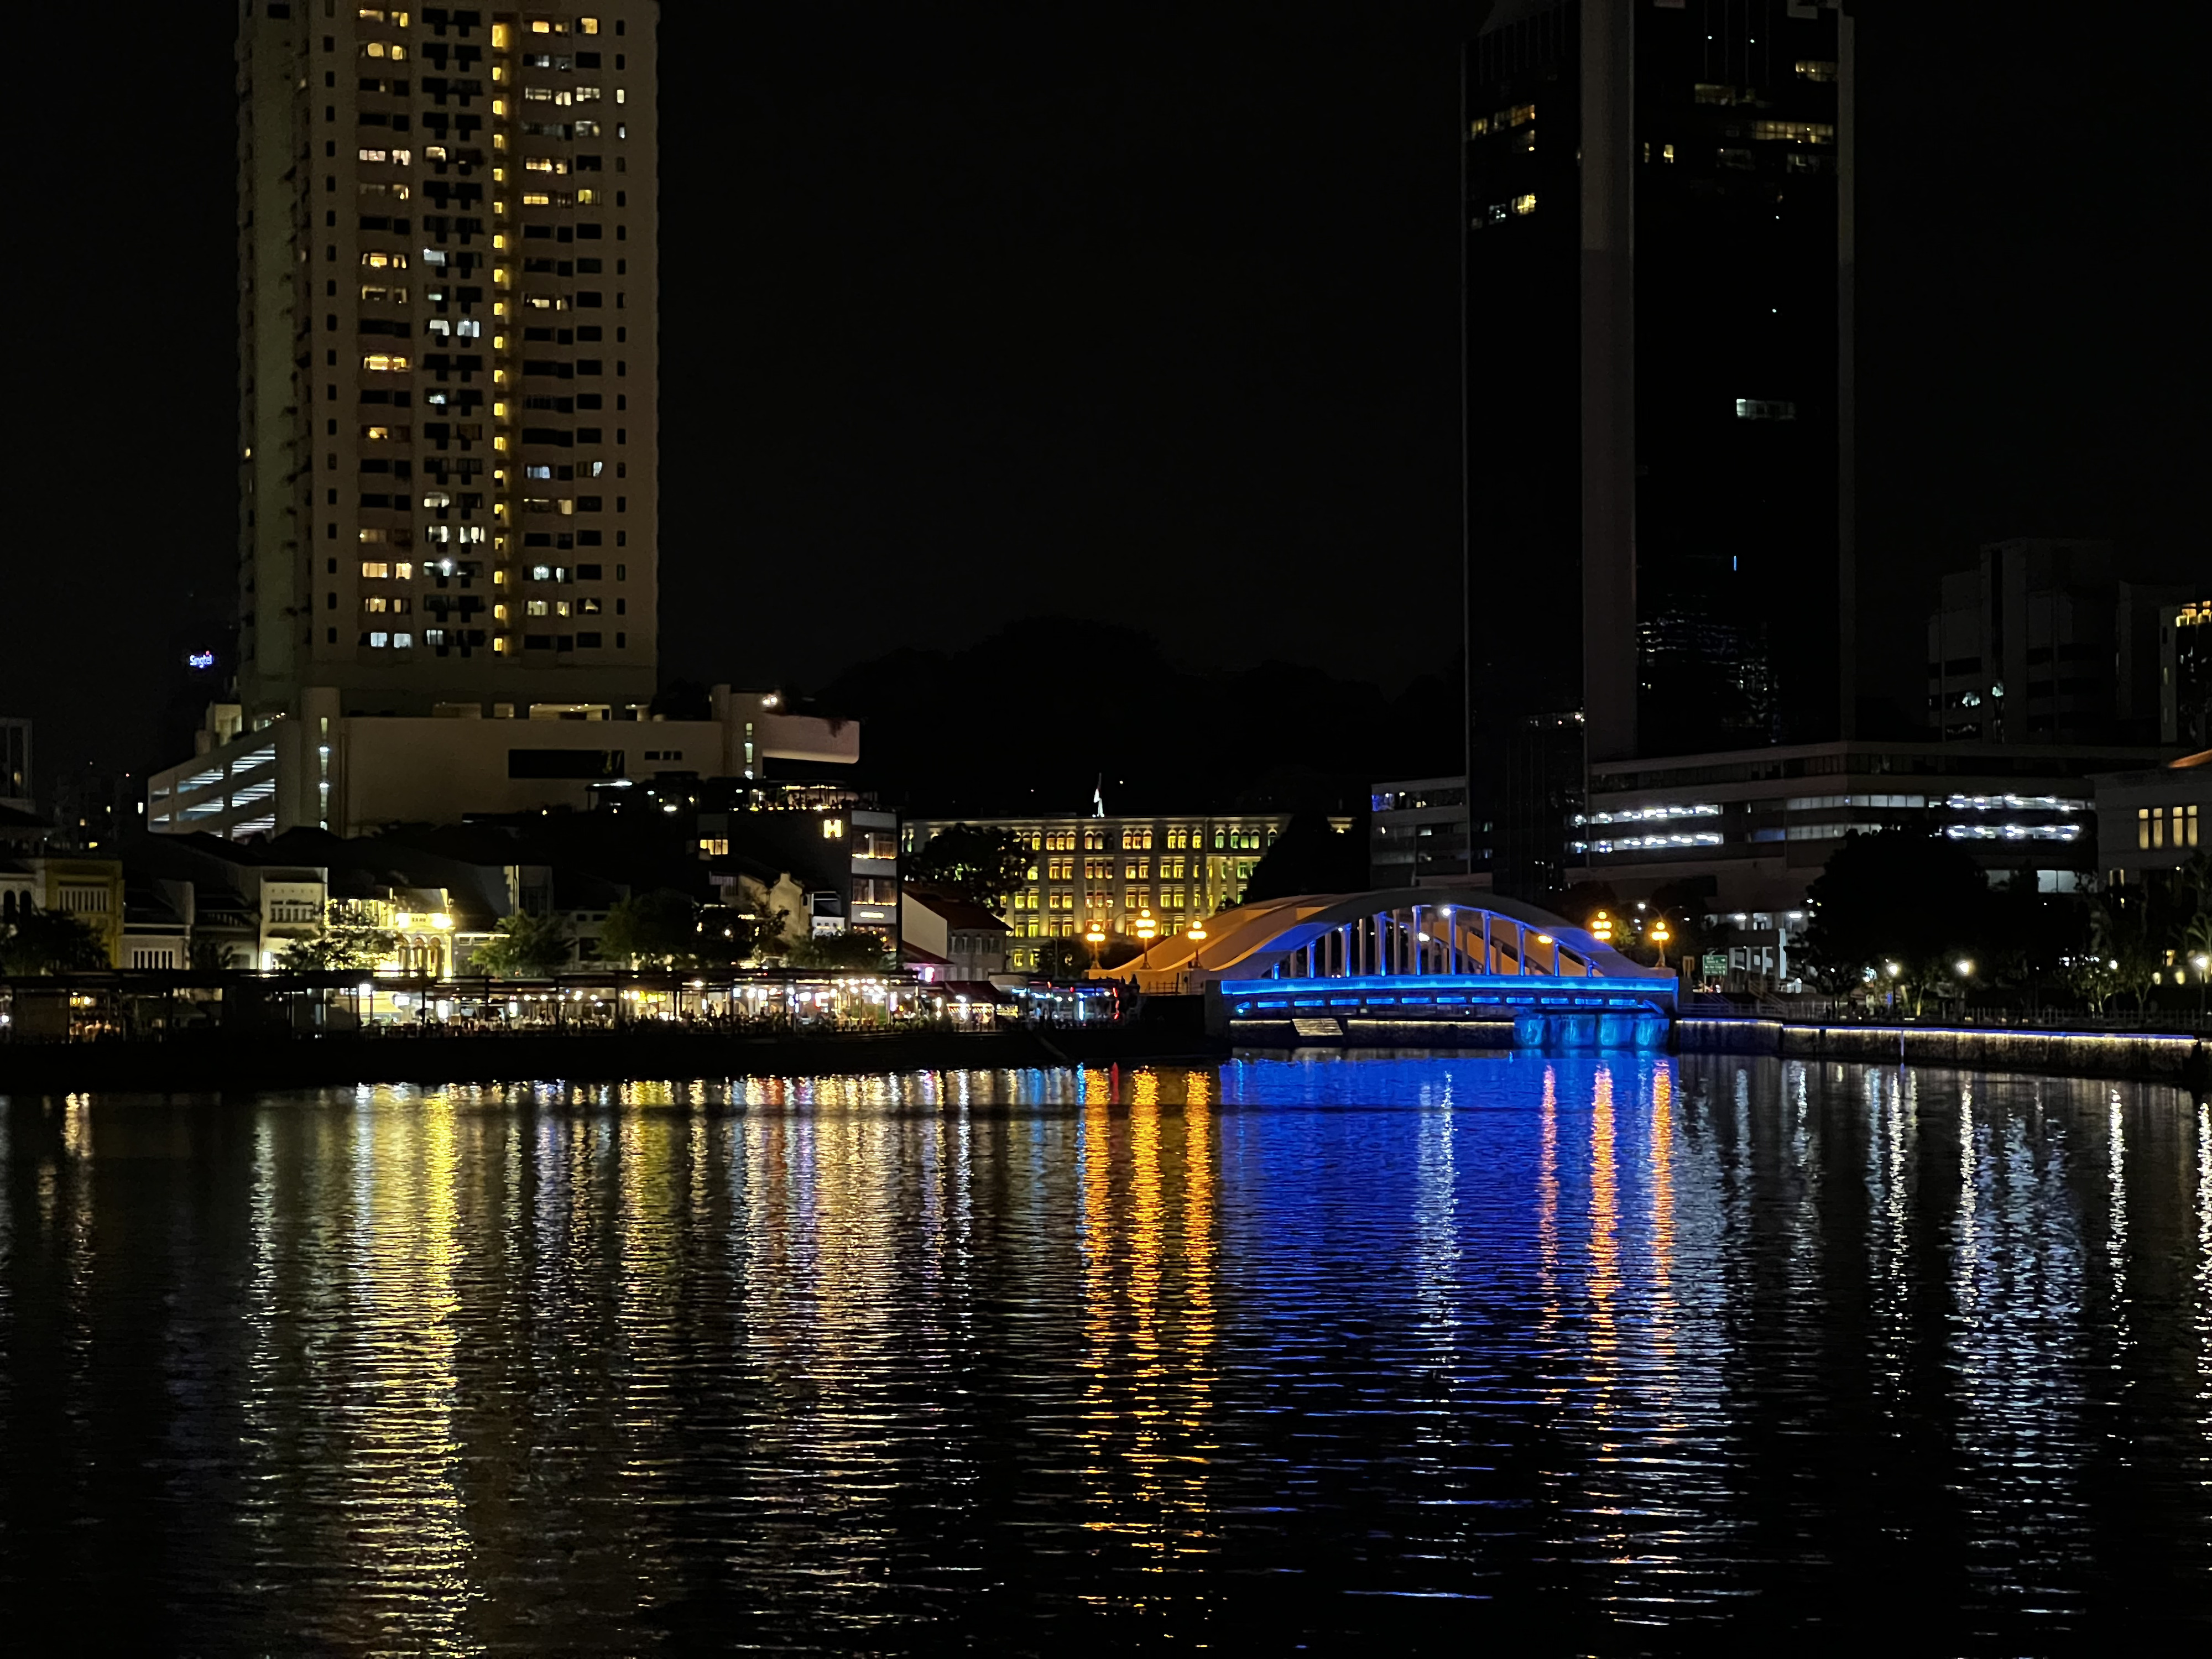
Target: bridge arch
point(1411, 930)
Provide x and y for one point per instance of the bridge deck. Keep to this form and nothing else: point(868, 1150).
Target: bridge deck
point(1446, 996)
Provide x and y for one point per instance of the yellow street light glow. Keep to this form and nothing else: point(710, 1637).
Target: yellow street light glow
point(1964, 967)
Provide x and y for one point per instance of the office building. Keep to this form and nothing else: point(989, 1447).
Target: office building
point(2154, 818)
point(2185, 674)
point(1740, 838)
point(16, 764)
point(1417, 831)
point(1658, 394)
point(2041, 643)
point(352, 775)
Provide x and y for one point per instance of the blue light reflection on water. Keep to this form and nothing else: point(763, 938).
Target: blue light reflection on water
point(1412, 1348)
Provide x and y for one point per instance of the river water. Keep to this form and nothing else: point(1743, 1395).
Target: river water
point(1575, 1354)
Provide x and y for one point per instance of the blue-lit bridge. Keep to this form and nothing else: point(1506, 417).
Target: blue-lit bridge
point(1410, 956)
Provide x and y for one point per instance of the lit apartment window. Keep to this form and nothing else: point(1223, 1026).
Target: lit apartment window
point(1794, 132)
point(380, 362)
point(376, 569)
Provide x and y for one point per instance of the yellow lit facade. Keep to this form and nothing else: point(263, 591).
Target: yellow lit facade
point(1113, 875)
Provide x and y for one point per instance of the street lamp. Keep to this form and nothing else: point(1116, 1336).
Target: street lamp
point(2203, 963)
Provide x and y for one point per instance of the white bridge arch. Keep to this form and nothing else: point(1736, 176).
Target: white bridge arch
point(1414, 952)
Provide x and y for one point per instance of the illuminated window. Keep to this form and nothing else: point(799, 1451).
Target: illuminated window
point(402, 641)
point(1794, 132)
point(1137, 841)
point(1094, 841)
point(588, 26)
point(1707, 93)
point(377, 294)
point(380, 362)
point(377, 260)
point(380, 640)
point(396, 157)
point(403, 571)
point(392, 50)
point(374, 570)
point(375, 605)
point(1765, 408)
point(1524, 204)
point(1815, 69)
point(537, 608)
point(717, 847)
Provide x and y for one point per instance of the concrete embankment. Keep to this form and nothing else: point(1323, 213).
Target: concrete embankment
point(280, 1062)
point(2181, 1059)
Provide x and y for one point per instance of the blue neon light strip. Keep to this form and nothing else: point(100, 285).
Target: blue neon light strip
point(1572, 985)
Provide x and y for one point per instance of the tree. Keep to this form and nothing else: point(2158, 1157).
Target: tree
point(857, 951)
point(2090, 977)
point(212, 956)
point(660, 928)
point(50, 942)
point(1897, 896)
point(1062, 958)
point(525, 947)
point(2124, 937)
point(1309, 857)
point(344, 948)
point(968, 861)
point(726, 936)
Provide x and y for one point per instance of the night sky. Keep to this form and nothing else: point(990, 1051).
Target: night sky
point(970, 318)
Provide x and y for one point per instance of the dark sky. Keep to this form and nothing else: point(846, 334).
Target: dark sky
point(1149, 316)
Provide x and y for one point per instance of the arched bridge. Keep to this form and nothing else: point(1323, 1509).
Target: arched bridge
point(1410, 954)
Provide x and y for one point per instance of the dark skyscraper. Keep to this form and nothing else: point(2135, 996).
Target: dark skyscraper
point(1658, 265)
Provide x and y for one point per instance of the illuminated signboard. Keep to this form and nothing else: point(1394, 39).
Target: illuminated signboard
point(200, 660)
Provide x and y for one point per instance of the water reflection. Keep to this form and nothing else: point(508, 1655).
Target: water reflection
point(1001, 1358)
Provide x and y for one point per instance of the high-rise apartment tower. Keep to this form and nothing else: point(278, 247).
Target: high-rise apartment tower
point(446, 391)
point(1658, 248)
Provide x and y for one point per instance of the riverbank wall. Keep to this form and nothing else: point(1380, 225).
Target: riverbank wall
point(2140, 1056)
point(281, 1062)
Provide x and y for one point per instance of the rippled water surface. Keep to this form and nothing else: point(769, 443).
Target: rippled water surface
point(1588, 1355)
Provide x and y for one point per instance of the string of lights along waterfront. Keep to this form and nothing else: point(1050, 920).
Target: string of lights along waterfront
point(1590, 1354)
